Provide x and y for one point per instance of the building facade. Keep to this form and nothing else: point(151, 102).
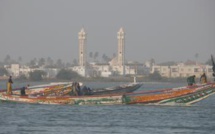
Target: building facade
point(183, 70)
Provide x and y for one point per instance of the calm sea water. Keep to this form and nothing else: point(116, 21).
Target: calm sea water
point(117, 119)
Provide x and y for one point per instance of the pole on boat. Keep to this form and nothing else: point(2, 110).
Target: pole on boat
point(213, 64)
point(135, 81)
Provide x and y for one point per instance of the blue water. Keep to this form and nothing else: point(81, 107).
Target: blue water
point(117, 119)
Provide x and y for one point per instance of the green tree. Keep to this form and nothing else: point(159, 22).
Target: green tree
point(96, 54)
point(197, 56)
point(37, 75)
point(208, 62)
point(22, 77)
point(105, 58)
point(19, 59)
point(7, 59)
point(50, 62)
point(155, 76)
point(59, 63)
point(33, 62)
point(3, 71)
point(67, 64)
point(152, 62)
point(41, 62)
point(64, 74)
point(168, 63)
point(91, 55)
point(75, 62)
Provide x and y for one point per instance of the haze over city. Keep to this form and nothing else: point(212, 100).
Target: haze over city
point(164, 30)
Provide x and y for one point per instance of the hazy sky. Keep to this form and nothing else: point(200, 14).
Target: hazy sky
point(165, 30)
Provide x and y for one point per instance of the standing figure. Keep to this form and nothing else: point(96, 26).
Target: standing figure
point(9, 86)
point(74, 89)
point(78, 89)
point(203, 78)
point(191, 80)
point(22, 91)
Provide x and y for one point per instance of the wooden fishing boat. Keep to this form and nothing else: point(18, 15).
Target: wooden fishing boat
point(69, 100)
point(175, 96)
point(61, 94)
point(189, 98)
point(58, 94)
point(128, 88)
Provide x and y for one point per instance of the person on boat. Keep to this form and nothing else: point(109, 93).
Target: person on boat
point(78, 88)
point(203, 78)
point(74, 89)
point(9, 85)
point(89, 91)
point(191, 80)
point(213, 70)
point(22, 91)
point(84, 90)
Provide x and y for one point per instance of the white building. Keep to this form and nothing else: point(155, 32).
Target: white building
point(183, 70)
point(82, 70)
point(102, 70)
point(116, 65)
point(16, 70)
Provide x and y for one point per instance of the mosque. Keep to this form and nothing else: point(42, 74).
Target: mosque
point(116, 66)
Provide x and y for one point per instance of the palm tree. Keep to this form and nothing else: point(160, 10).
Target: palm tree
point(59, 63)
point(104, 57)
point(50, 62)
point(41, 62)
point(7, 59)
point(32, 63)
point(91, 55)
point(75, 62)
point(152, 62)
point(20, 59)
point(196, 56)
point(96, 54)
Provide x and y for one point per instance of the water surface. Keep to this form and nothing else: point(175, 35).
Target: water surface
point(118, 119)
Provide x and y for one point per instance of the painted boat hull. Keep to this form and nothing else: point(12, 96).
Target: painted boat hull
point(79, 100)
point(175, 96)
point(53, 95)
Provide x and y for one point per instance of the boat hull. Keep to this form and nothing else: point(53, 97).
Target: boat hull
point(175, 96)
point(60, 94)
point(83, 100)
point(119, 90)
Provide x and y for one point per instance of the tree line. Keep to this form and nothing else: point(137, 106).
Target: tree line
point(36, 62)
point(39, 75)
point(50, 63)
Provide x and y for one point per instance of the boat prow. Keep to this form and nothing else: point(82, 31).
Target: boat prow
point(174, 96)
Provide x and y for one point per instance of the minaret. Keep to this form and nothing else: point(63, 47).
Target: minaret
point(82, 47)
point(121, 50)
